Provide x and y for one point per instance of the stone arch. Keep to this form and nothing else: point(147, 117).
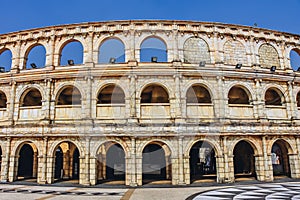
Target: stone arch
point(70, 162)
point(6, 59)
point(213, 143)
point(120, 58)
point(31, 97)
point(268, 56)
point(22, 90)
point(165, 144)
point(55, 144)
point(198, 93)
point(202, 83)
point(244, 159)
point(112, 94)
point(160, 54)
point(254, 144)
point(26, 162)
point(156, 160)
point(72, 94)
point(274, 96)
point(195, 50)
point(286, 141)
point(39, 56)
point(79, 55)
point(281, 149)
point(294, 57)
point(165, 97)
point(238, 94)
point(110, 167)
point(234, 52)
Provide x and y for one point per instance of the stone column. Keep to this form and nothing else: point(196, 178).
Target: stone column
point(50, 54)
point(66, 165)
point(132, 100)
point(86, 160)
point(292, 104)
point(219, 101)
point(13, 168)
point(16, 60)
point(35, 164)
point(268, 169)
point(43, 163)
point(50, 169)
point(12, 102)
point(220, 168)
point(88, 50)
point(228, 162)
point(258, 103)
point(93, 171)
point(139, 169)
point(133, 171)
point(177, 103)
point(180, 161)
point(5, 161)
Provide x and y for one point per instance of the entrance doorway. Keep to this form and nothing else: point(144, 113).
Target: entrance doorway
point(280, 159)
point(155, 164)
point(244, 161)
point(202, 161)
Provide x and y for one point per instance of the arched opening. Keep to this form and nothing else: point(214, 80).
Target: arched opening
point(66, 166)
point(3, 100)
point(238, 95)
point(27, 162)
point(36, 57)
point(198, 94)
point(202, 161)
point(111, 163)
point(196, 50)
point(31, 97)
point(153, 50)
point(295, 59)
point(273, 97)
point(298, 100)
point(155, 164)
point(111, 51)
point(244, 160)
point(5, 60)
point(111, 94)
point(71, 54)
point(70, 95)
point(154, 94)
point(280, 159)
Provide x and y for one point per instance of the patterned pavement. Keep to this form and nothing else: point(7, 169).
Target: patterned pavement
point(259, 191)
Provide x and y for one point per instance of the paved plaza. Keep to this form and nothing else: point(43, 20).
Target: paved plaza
point(282, 190)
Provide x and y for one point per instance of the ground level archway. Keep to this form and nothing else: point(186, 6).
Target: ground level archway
point(111, 164)
point(280, 159)
point(156, 164)
point(27, 162)
point(202, 161)
point(66, 162)
point(244, 160)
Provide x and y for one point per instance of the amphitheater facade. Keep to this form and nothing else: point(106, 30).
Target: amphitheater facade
point(218, 102)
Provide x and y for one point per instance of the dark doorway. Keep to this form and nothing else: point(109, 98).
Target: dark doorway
point(75, 173)
point(244, 161)
point(58, 164)
point(115, 163)
point(25, 167)
point(202, 161)
point(154, 162)
point(280, 159)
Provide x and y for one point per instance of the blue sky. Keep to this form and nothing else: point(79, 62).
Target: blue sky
point(272, 14)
